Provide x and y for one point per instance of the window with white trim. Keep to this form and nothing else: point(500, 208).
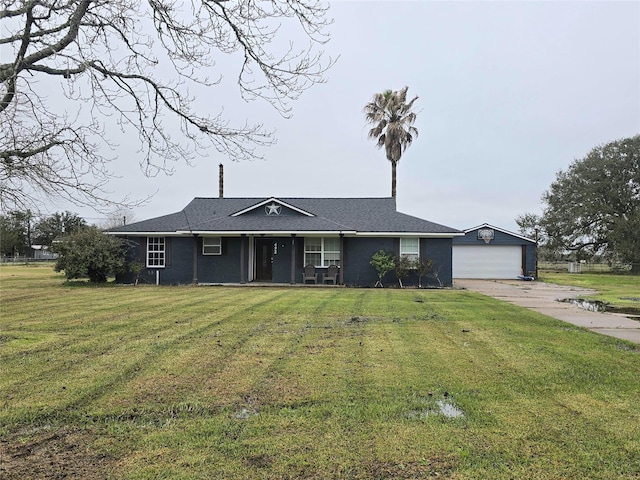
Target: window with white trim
point(211, 246)
point(155, 252)
point(410, 248)
point(322, 251)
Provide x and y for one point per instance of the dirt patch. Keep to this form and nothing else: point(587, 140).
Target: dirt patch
point(258, 461)
point(378, 469)
point(426, 468)
point(357, 320)
point(49, 454)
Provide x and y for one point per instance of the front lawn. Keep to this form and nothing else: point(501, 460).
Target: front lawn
point(272, 383)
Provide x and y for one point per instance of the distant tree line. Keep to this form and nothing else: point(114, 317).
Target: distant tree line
point(592, 209)
point(20, 231)
point(81, 250)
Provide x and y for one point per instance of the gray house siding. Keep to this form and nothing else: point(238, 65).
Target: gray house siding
point(530, 260)
point(169, 274)
point(226, 268)
point(223, 268)
point(357, 255)
point(439, 250)
point(179, 261)
point(359, 272)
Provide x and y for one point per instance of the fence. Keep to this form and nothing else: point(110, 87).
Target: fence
point(585, 267)
point(19, 260)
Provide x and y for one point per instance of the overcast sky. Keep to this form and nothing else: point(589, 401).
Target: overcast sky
point(509, 93)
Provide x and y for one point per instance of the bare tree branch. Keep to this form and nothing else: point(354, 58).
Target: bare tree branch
point(107, 60)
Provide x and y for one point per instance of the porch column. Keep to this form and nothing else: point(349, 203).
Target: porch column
point(195, 258)
point(243, 269)
point(341, 259)
point(293, 258)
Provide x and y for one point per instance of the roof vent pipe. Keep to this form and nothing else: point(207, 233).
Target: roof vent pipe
point(221, 182)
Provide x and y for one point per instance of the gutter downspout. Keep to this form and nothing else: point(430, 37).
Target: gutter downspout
point(341, 259)
point(195, 258)
point(243, 269)
point(293, 258)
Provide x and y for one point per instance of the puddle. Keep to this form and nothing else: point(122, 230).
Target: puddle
point(598, 306)
point(442, 408)
point(449, 410)
point(245, 414)
point(590, 305)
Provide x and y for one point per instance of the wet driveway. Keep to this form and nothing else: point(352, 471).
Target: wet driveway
point(544, 298)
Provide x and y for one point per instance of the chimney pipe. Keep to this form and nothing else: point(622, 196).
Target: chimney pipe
point(221, 182)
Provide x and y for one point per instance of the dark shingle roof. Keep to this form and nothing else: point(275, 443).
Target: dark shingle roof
point(361, 215)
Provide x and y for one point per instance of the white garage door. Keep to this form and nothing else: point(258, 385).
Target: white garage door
point(487, 261)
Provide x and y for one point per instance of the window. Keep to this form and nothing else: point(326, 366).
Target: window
point(331, 252)
point(322, 252)
point(211, 246)
point(155, 251)
point(410, 248)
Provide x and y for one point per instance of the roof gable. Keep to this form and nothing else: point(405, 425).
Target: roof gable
point(506, 232)
point(272, 207)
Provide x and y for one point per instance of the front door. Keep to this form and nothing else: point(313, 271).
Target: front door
point(264, 259)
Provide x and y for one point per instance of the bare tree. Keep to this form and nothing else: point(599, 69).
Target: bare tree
point(116, 218)
point(107, 59)
point(423, 267)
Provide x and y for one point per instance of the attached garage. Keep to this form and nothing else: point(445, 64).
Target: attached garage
point(492, 253)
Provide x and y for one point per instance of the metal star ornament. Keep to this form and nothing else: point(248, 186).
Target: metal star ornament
point(273, 209)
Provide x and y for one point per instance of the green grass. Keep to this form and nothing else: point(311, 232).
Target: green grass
point(274, 383)
point(621, 292)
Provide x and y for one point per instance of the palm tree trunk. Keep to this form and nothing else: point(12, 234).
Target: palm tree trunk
point(393, 179)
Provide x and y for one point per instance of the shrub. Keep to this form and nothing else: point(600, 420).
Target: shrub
point(403, 265)
point(383, 263)
point(91, 254)
point(423, 267)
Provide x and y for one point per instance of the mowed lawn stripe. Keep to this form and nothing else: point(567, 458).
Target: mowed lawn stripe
point(362, 410)
point(94, 360)
point(276, 383)
point(249, 393)
point(207, 365)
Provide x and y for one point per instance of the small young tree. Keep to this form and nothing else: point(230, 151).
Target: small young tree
point(436, 274)
point(422, 266)
point(90, 253)
point(135, 268)
point(403, 265)
point(383, 263)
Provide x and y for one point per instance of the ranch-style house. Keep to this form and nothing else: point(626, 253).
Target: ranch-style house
point(284, 241)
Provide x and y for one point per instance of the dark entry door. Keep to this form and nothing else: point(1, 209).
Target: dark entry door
point(264, 259)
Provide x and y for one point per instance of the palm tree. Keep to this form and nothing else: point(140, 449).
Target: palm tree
point(393, 128)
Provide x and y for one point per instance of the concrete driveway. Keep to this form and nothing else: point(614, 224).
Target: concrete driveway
point(543, 297)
